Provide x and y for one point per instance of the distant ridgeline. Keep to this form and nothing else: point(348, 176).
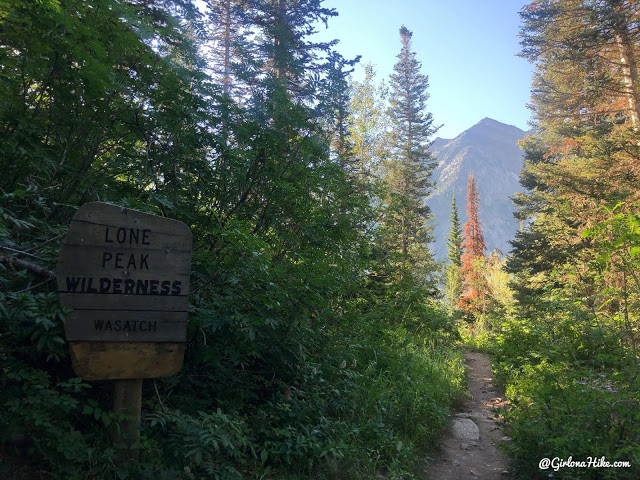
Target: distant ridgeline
point(489, 149)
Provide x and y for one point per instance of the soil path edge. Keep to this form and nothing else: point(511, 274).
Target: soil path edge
point(470, 447)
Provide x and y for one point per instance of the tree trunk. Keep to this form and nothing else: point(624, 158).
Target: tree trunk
point(629, 69)
point(226, 79)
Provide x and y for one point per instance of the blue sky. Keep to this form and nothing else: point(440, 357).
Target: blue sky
point(467, 48)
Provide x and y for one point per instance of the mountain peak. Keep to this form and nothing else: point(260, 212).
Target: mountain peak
point(489, 121)
point(489, 150)
point(483, 127)
point(486, 132)
point(494, 126)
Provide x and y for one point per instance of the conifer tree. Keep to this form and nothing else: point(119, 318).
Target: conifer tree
point(412, 124)
point(586, 53)
point(454, 239)
point(408, 171)
point(454, 253)
point(573, 259)
point(226, 29)
point(334, 110)
point(584, 153)
point(474, 285)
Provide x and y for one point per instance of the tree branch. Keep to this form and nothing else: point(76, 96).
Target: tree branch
point(31, 267)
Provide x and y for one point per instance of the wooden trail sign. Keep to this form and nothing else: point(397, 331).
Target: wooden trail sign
point(125, 276)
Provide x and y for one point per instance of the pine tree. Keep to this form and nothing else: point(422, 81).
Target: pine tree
point(226, 29)
point(584, 153)
point(454, 239)
point(586, 53)
point(335, 110)
point(412, 125)
point(473, 258)
point(453, 270)
point(283, 45)
point(408, 171)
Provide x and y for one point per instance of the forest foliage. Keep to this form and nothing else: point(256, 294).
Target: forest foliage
point(565, 341)
point(315, 348)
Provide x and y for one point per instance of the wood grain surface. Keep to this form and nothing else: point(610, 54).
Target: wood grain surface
point(123, 276)
point(126, 360)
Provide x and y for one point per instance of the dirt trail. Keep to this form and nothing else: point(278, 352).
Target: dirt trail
point(469, 451)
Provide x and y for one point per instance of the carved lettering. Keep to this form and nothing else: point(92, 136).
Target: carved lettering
point(123, 276)
point(127, 286)
point(106, 256)
point(90, 287)
point(131, 261)
point(132, 236)
point(142, 287)
point(101, 325)
point(105, 285)
point(72, 284)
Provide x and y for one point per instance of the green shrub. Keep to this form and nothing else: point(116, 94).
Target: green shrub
point(559, 411)
point(572, 393)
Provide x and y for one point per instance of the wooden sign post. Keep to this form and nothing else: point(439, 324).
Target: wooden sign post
point(125, 276)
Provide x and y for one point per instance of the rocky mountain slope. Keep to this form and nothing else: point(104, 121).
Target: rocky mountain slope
point(489, 149)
